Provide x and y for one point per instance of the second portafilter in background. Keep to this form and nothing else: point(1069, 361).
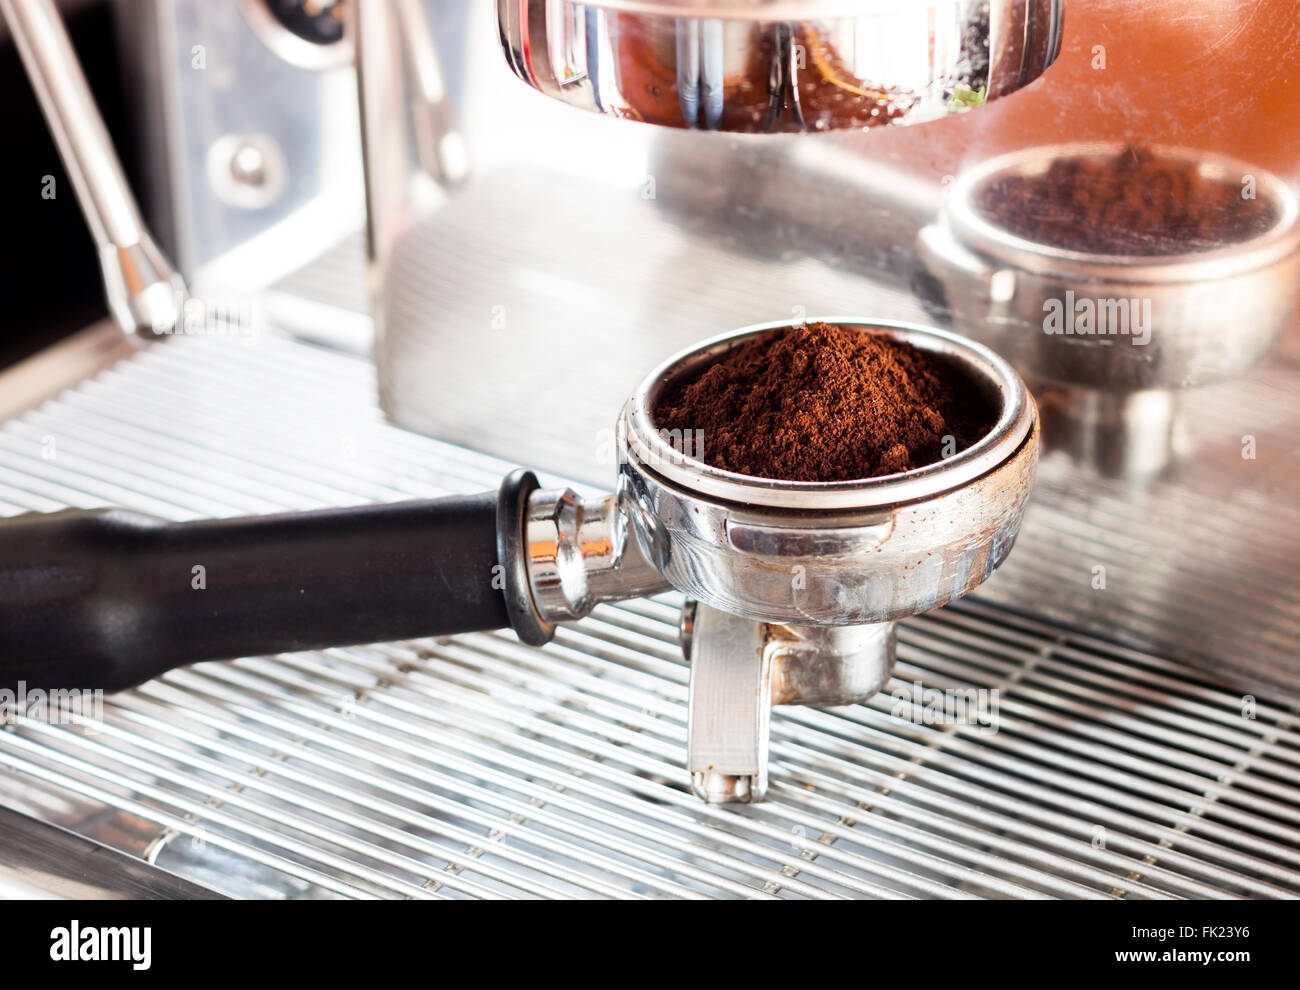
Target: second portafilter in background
point(1114, 278)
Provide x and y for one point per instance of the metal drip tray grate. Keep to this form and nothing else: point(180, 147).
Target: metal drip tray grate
point(477, 767)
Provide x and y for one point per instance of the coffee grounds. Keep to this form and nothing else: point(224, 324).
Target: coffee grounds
point(826, 403)
point(1132, 204)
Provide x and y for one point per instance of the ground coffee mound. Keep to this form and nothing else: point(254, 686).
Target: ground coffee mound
point(826, 403)
point(1134, 203)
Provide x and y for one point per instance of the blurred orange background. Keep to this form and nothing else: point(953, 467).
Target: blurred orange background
point(1219, 75)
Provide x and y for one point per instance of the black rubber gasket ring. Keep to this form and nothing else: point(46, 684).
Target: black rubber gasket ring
point(512, 511)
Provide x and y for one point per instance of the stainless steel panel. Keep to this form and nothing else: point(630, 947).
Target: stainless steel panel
point(252, 149)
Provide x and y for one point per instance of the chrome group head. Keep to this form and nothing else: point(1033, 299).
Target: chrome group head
point(766, 66)
point(829, 553)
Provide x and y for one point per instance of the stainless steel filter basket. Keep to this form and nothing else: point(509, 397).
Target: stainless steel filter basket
point(833, 553)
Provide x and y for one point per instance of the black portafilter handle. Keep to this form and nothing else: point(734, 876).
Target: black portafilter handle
point(107, 599)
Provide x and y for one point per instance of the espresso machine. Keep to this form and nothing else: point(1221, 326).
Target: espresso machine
point(534, 277)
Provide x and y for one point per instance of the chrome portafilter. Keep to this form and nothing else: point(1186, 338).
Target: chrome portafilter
point(1108, 339)
point(793, 587)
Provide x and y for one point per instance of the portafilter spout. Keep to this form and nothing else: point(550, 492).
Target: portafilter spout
point(794, 587)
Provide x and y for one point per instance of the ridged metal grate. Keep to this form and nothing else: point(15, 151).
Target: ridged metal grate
point(477, 767)
point(1201, 565)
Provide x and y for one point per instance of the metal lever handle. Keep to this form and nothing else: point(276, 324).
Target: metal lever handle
point(107, 599)
point(143, 291)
